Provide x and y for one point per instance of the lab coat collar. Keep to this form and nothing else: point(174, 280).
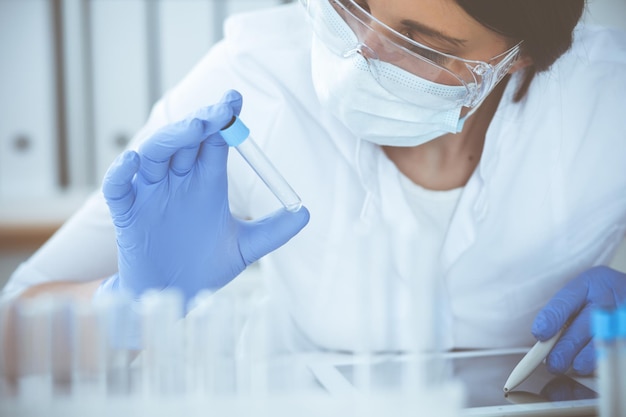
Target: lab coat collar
point(473, 205)
point(364, 156)
point(384, 202)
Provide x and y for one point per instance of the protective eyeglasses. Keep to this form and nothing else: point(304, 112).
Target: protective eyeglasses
point(347, 29)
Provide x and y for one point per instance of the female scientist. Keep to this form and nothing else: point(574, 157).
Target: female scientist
point(478, 144)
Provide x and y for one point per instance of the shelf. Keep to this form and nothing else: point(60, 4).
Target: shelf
point(25, 237)
point(26, 223)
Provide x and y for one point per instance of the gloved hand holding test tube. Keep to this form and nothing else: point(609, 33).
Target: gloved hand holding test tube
point(170, 208)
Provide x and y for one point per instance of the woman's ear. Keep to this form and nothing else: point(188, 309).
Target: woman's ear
point(522, 62)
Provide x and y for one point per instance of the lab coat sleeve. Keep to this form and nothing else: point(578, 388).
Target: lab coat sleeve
point(83, 249)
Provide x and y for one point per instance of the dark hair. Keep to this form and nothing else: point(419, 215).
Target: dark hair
point(545, 26)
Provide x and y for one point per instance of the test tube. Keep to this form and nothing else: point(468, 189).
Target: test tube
point(603, 327)
point(34, 342)
point(222, 342)
point(257, 351)
point(237, 135)
point(163, 360)
point(621, 359)
point(9, 368)
point(60, 333)
point(198, 352)
point(89, 350)
point(120, 330)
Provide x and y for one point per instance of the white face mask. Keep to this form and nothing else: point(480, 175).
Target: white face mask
point(345, 86)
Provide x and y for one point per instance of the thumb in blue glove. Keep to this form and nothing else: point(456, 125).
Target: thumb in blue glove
point(599, 287)
point(169, 204)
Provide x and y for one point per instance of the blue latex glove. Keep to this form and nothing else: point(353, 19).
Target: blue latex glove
point(599, 287)
point(169, 204)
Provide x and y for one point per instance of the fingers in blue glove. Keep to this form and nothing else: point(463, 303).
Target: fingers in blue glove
point(585, 362)
point(180, 141)
point(184, 160)
point(234, 99)
point(271, 232)
point(565, 304)
point(117, 186)
point(213, 153)
point(574, 338)
point(598, 287)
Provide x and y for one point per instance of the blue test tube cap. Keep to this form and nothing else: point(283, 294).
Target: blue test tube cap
point(603, 324)
point(620, 318)
point(235, 132)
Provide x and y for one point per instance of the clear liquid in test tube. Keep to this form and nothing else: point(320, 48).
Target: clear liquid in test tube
point(237, 135)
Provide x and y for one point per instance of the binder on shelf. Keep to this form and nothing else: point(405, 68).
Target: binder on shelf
point(28, 127)
point(120, 75)
point(185, 31)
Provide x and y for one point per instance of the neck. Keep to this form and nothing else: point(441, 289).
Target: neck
point(448, 162)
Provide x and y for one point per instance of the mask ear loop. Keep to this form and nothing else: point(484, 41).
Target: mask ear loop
point(370, 57)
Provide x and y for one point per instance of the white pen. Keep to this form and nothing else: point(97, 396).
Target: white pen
point(531, 361)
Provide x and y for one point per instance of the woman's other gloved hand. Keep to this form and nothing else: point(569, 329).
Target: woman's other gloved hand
point(169, 204)
point(599, 287)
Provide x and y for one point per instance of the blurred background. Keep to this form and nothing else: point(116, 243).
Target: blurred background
point(78, 79)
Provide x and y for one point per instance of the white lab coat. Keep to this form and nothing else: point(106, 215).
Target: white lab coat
point(547, 201)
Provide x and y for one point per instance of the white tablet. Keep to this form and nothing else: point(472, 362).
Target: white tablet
point(483, 374)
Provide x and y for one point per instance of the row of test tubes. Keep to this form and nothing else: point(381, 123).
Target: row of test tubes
point(61, 351)
point(609, 327)
point(56, 347)
point(221, 348)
